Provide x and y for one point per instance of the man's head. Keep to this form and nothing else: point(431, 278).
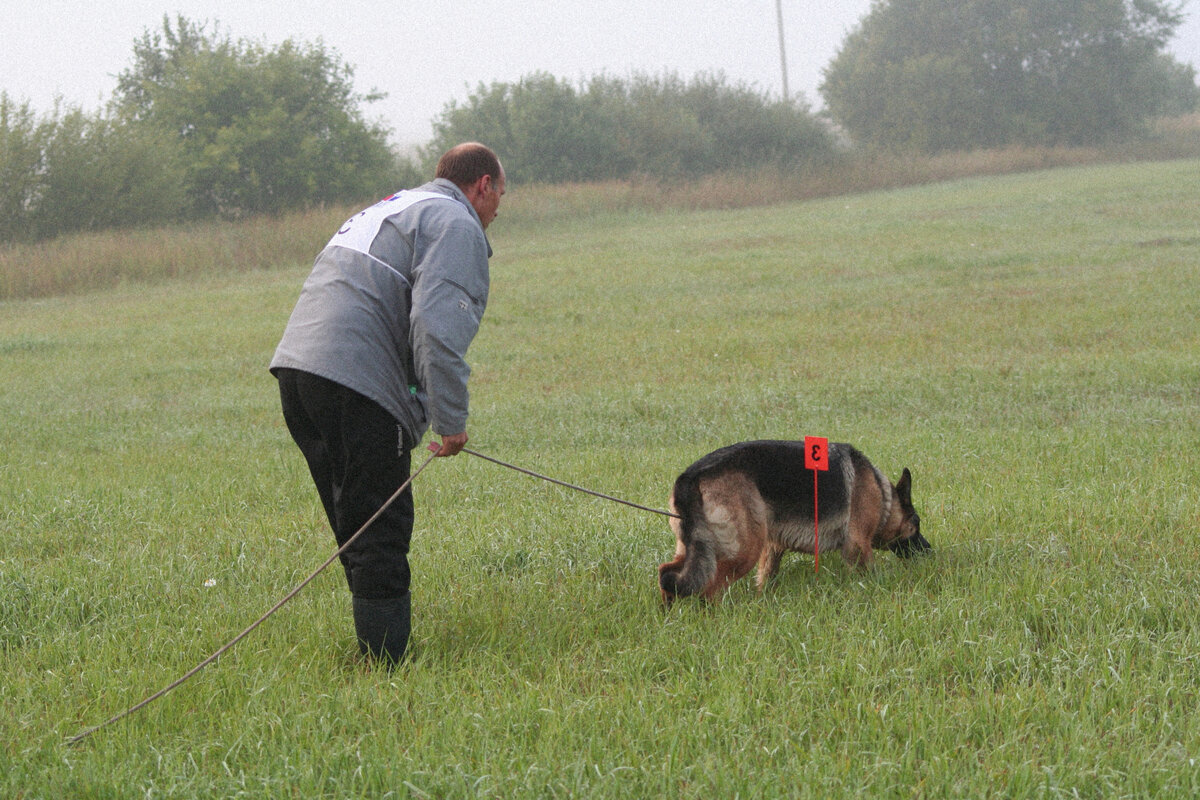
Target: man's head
point(476, 170)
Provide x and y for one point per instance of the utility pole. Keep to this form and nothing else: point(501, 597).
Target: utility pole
point(782, 54)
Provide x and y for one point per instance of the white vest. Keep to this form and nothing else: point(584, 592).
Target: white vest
point(359, 232)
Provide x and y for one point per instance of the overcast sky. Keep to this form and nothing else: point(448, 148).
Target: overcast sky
point(425, 53)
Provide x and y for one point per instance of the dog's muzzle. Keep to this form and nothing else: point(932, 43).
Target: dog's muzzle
point(912, 546)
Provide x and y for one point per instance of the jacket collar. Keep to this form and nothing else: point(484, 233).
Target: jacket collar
point(449, 188)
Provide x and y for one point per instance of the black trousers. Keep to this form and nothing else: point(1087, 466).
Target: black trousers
point(357, 456)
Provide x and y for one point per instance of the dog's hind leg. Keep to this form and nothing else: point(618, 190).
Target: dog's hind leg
point(768, 564)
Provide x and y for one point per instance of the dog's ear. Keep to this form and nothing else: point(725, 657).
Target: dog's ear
point(904, 487)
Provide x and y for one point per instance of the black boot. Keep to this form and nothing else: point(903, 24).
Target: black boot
point(383, 626)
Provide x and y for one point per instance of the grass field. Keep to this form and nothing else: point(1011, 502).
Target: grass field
point(1027, 345)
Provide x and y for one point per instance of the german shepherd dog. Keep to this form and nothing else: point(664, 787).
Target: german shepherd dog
point(749, 503)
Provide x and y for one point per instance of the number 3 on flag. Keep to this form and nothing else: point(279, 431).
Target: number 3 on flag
point(816, 453)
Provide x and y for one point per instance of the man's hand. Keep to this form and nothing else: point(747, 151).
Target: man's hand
point(452, 445)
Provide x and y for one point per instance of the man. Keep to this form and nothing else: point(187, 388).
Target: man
point(373, 355)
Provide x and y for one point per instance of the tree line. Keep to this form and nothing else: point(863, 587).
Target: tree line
point(552, 131)
point(203, 125)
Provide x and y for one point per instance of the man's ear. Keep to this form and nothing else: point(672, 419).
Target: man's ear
point(478, 188)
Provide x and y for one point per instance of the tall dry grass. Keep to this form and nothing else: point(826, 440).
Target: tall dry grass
point(88, 261)
point(848, 175)
point(1175, 138)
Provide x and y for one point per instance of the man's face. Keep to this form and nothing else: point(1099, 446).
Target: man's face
point(487, 200)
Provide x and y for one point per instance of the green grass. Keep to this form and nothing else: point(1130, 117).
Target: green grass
point(1027, 345)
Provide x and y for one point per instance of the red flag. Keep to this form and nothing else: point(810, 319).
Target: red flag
point(816, 453)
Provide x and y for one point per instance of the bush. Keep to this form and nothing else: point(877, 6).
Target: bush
point(22, 151)
point(262, 129)
point(71, 171)
point(201, 126)
point(547, 130)
point(103, 173)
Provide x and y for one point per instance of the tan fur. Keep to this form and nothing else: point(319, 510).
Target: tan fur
point(866, 517)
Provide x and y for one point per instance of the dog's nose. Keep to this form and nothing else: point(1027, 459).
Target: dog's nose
point(907, 548)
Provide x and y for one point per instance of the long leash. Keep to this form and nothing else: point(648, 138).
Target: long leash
point(533, 474)
point(74, 740)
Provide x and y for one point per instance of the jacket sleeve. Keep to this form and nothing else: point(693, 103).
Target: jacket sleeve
point(449, 294)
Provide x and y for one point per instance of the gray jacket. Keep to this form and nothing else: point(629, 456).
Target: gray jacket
point(391, 305)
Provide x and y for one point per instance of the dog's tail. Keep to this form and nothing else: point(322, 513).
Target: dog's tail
point(693, 574)
point(687, 500)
